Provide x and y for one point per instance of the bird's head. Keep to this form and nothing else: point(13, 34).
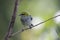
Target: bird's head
point(24, 14)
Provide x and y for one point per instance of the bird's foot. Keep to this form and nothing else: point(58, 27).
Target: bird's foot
point(32, 25)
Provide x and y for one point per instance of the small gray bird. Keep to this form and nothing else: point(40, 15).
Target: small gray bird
point(26, 19)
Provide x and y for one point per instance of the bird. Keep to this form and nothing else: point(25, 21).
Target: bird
point(26, 19)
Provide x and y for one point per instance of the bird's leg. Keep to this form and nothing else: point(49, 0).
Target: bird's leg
point(30, 26)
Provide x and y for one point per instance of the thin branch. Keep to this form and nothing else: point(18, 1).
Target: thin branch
point(35, 25)
point(11, 24)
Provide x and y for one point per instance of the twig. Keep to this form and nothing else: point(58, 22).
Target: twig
point(34, 25)
point(11, 24)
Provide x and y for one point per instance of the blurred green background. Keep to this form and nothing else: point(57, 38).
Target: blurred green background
point(43, 9)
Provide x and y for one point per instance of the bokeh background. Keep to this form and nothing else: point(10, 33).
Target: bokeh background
point(40, 10)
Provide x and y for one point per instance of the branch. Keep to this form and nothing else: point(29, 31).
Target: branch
point(34, 25)
point(11, 24)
